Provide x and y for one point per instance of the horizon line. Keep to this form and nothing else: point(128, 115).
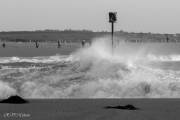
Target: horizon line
point(81, 30)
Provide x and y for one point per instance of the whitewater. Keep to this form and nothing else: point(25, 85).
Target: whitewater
point(132, 70)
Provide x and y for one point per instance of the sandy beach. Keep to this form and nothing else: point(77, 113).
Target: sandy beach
point(29, 49)
point(91, 109)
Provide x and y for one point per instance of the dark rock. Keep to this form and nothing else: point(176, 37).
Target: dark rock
point(14, 100)
point(126, 107)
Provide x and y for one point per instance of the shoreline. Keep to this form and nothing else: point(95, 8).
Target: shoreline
point(29, 50)
point(51, 49)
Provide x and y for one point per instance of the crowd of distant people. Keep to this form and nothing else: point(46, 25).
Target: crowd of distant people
point(84, 43)
point(60, 43)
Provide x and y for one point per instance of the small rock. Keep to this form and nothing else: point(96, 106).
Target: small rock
point(14, 100)
point(126, 107)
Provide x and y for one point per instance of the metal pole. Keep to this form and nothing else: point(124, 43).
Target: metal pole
point(112, 36)
point(112, 20)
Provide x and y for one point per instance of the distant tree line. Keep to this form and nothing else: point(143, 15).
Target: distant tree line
point(79, 35)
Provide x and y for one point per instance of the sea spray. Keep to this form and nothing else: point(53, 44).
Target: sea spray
point(132, 71)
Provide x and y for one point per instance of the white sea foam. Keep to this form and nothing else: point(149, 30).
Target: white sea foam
point(94, 72)
point(167, 58)
point(41, 59)
point(6, 90)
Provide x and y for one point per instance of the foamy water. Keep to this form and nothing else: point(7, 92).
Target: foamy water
point(132, 71)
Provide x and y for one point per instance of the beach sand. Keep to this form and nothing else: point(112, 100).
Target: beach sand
point(29, 49)
point(91, 109)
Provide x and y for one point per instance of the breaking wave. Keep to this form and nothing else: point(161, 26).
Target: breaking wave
point(162, 58)
point(40, 59)
point(93, 72)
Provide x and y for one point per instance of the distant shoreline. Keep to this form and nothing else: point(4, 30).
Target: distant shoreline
point(79, 35)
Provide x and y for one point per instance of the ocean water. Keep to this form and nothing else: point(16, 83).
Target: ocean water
point(130, 70)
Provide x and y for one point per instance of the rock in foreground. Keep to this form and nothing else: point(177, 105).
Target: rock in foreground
point(14, 100)
point(126, 107)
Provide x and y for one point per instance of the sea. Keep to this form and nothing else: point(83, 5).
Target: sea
point(126, 70)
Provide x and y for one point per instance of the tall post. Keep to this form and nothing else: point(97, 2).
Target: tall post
point(112, 20)
point(112, 36)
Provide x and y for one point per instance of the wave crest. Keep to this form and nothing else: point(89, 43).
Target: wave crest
point(93, 72)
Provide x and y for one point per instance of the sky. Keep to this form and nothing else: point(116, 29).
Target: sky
point(156, 16)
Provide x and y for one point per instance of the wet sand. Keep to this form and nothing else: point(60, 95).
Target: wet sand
point(29, 49)
point(92, 109)
point(50, 48)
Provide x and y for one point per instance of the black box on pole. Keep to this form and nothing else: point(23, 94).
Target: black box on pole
point(112, 17)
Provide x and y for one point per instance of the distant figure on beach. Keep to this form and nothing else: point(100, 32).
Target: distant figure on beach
point(37, 44)
point(59, 44)
point(83, 43)
point(3, 45)
point(167, 39)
